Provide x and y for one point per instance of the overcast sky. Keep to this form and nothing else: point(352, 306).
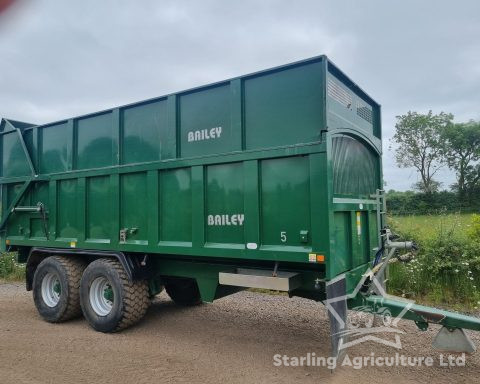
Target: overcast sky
point(63, 58)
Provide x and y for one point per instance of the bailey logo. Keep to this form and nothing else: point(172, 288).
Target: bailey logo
point(204, 134)
point(223, 220)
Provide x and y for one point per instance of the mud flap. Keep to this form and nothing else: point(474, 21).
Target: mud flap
point(453, 340)
point(336, 304)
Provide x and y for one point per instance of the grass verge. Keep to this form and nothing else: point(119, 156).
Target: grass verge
point(10, 270)
point(446, 270)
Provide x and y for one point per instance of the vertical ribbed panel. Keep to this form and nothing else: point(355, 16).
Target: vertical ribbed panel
point(355, 168)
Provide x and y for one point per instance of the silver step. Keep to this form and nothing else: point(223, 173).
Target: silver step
point(259, 278)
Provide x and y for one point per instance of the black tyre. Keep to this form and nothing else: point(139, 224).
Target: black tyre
point(56, 286)
point(183, 291)
point(110, 302)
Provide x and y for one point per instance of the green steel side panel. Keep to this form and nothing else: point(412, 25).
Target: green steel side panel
point(67, 218)
point(98, 209)
point(81, 208)
point(13, 157)
point(225, 204)
point(205, 123)
point(251, 183)
point(348, 106)
point(39, 194)
point(146, 135)
point(354, 239)
point(365, 225)
point(166, 169)
point(342, 246)
point(346, 109)
point(198, 207)
point(176, 206)
point(134, 207)
point(31, 141)
point(54, 148)
point(3, 200)
point(359, 238)
point(284, 107)
point(285, 202)
point(355, 168)
point(17, 222)
point(373, 235)
point(95, 141)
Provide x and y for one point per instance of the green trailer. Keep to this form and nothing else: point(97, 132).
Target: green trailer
point(271, 180)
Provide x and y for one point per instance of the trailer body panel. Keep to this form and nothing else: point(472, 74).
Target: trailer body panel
point(275, 166)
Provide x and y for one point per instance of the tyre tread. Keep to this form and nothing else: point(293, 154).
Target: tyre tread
point(74, 268)
point(136, 300)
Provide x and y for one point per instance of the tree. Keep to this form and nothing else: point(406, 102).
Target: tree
point(433, 187)
point(472, 182)
point(419, 145)
point(461, 148)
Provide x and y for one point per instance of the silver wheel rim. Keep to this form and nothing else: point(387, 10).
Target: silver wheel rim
point(51, 289)
point(101, 296)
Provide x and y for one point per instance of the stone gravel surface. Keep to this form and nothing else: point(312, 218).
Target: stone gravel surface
point(233, 340)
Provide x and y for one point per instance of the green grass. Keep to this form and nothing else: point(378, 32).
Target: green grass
point(446, 269)
point(427, 226)
point(10, 270)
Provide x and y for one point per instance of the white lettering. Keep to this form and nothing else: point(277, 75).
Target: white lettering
point(277, 360)
point(226, 220)
point(240, 219)
point(204, 134)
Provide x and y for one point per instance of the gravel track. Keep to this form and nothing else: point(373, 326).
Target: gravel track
point(230, 341)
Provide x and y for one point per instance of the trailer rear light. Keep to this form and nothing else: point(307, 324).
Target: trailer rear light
point(314, 258)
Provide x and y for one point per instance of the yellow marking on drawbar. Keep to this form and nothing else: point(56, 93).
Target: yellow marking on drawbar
point(359, 224)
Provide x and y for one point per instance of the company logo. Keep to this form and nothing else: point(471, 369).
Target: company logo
point(225, 220)
point(360, 327)
point(204, 134)
point(311, 359)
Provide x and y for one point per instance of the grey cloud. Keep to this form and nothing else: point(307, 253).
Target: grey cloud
point(67, 58)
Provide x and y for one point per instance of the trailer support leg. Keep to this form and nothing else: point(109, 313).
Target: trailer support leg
point(336, 304)
point(453, 340)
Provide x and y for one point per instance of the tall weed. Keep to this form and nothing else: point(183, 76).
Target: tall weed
point(446, 269)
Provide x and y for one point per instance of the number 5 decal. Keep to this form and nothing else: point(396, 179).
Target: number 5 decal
point(283, 236)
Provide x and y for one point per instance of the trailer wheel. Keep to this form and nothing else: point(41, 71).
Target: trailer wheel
point(183, 291)
point(56, 285)
point(110, 302)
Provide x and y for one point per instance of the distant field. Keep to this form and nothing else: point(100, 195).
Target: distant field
point(424, 227)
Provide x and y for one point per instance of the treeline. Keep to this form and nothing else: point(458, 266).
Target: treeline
point(420, 203)
point(429, 142)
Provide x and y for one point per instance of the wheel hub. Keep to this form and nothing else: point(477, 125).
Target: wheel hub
point(101, 296)
point(51, 289)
